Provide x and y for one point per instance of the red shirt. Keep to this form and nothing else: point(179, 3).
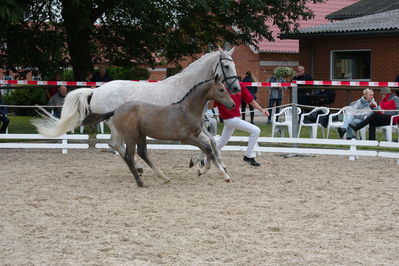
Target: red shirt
point(390, 102)
point(244, 95)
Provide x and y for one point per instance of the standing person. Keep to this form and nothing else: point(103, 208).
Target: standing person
point(303, 94)
point(253, 90)
point(360, 109)
point(58, 100)
point(281, 75)
point(101, 75)
point(232, 121)
point(389, 101)
point(3, 117)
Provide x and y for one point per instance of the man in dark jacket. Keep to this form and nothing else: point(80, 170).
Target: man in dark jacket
point(3, 117)
point(253, 90)
point(303, 94)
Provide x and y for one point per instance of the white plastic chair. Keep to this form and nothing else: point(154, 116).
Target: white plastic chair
point(314, 126)
point(287, 122)
point(338, 122)
point(389, 129)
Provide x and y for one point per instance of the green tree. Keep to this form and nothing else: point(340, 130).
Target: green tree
point(50, 34)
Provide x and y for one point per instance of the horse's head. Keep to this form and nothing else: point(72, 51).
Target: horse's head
point(218, 92)
point(226, 69)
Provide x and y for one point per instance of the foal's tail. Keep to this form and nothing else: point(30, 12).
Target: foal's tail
point(94, 118)
point(74, 111)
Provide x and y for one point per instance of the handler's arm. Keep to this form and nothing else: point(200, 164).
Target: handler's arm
point(259, 108)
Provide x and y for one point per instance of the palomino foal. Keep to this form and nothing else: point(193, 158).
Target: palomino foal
point(180, 121)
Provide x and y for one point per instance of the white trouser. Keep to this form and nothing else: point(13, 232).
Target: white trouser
point(236, 123)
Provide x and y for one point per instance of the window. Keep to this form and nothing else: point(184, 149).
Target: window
point(351, 65)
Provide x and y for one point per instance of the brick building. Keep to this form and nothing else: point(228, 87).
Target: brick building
point(269, 55)
point(365, 48)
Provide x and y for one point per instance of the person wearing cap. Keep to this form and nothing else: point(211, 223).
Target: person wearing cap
point(390, 102)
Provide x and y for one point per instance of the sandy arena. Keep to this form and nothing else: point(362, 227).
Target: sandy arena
point(84, 208)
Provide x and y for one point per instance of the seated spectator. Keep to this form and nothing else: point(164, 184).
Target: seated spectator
point(101, 75)
point(58, 100)
point(360, 109)
point(3, 117)
point(389, 101)
point(51, 91)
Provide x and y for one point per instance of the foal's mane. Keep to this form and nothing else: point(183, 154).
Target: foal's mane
point(192, 90)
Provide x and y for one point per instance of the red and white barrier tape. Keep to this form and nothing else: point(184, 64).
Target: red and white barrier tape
point(324, 83)
point(254, 84)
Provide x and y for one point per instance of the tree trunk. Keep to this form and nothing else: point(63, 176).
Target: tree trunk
point(78, 28)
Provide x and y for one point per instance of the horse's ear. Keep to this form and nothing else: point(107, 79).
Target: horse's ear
point(231, 51)
point(217, 78)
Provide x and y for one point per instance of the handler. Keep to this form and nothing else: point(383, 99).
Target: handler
point(232, 121)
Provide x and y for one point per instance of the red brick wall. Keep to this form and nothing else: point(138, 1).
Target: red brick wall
point(246, 59)
point(384, 59)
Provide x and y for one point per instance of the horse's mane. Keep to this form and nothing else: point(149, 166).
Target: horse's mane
point(192, 66)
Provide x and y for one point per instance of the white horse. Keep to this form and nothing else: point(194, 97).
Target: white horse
point(80, 102)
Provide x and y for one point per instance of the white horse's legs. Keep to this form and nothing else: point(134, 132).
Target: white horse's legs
point(206, 148)
point(116, 143)
point(208, 138)
point(207, 166)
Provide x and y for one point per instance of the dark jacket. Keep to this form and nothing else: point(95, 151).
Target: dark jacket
point(253, 90)
point(3, 109)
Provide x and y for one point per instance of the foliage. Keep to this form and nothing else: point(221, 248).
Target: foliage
point(128, 73)
point(283, 72)
point(25, 97)
point(48, 35)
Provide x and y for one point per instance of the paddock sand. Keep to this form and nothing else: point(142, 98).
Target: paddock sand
point(83, 208)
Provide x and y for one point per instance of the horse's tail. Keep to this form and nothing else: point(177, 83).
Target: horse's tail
point(94, 118)
point(75, 109)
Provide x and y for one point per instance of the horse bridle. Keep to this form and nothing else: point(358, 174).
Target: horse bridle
point(225, 77)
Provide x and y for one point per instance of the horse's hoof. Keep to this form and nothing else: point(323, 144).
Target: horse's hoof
point(191, 163)
point(140, 184)
point(227, 180)
point(168, 182)
point(199, 172)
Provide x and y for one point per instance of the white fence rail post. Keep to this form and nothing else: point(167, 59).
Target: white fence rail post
point(45, 143)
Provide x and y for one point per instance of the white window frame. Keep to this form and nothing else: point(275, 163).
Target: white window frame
point(353, 50)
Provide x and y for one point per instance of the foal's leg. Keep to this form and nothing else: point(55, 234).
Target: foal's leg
point(129, 159)
point(208, 138)
point(206, 148)
point(116, 143)
point(142, 152)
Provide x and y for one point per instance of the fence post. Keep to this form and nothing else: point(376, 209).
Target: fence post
point(294, 87)
point(64, 141)
point(353, 157)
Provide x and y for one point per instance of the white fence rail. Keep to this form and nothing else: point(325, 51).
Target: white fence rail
point(337, 147)
point(349, 146)
point(49, 144)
